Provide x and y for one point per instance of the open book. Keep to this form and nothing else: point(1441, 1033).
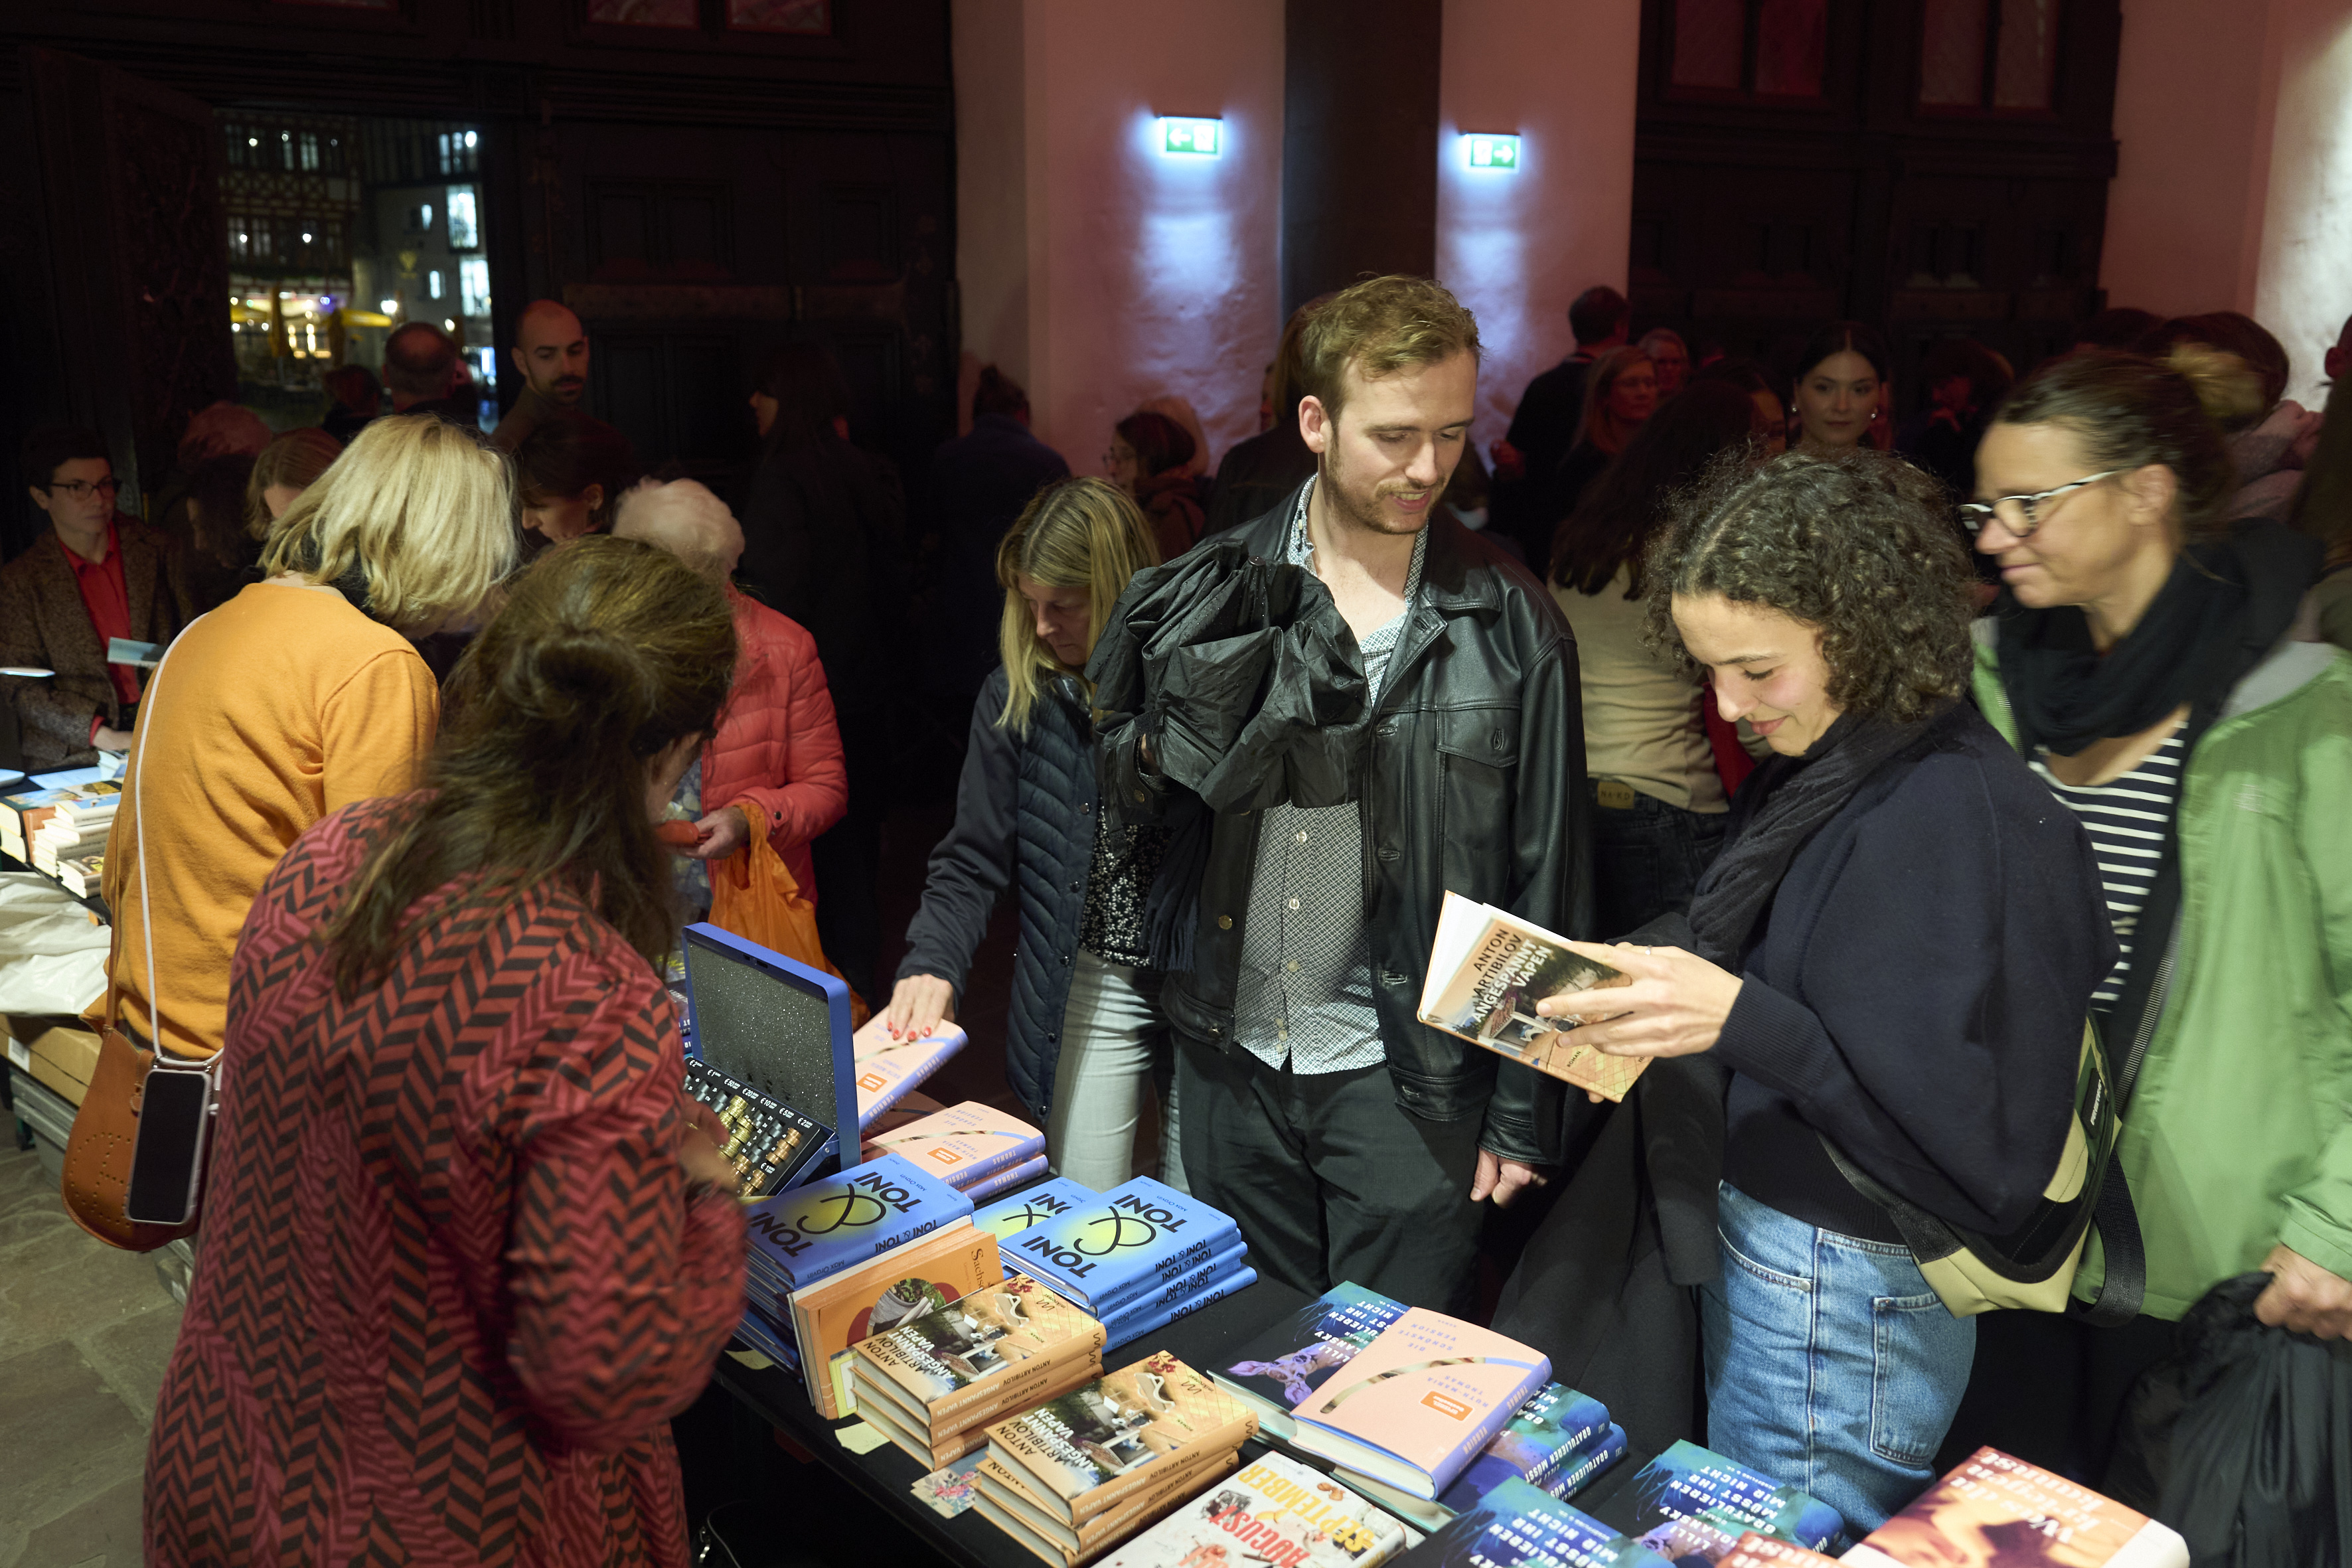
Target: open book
point(1488, 968)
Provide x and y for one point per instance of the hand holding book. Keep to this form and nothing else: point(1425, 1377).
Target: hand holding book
point(1673, 1005)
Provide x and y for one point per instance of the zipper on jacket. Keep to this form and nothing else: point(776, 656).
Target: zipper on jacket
point(2141, 1036)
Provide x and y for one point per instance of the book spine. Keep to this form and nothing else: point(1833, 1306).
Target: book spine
point(1158, 1291)
point(1006, 1180)
point(1128, 1330)
point(1572, 1478)
point(1078, 1350)
point(1227, 1438)
point(970, 1174)
point(1021, 1396)
point(1106, 1528)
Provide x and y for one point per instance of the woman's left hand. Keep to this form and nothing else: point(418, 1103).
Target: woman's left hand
point(1674, 1004)
point(724, 832)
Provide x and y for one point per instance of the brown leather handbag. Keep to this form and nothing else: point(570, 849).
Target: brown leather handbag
point(106, 1128)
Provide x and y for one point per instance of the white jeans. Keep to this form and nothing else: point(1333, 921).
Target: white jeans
point(1114, 1051)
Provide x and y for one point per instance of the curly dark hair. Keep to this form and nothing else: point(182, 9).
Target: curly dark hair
point(1859, 546)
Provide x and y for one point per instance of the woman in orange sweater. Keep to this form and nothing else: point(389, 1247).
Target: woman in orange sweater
point(297, 697)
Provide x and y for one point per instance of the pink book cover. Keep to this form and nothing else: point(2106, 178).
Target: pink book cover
point(887, 1067)
point(1995, 1510)
point(963, 1144)
point(1420, 1402)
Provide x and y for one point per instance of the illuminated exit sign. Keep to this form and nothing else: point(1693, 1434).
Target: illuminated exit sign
point(1180, 138)
point(1493, 151)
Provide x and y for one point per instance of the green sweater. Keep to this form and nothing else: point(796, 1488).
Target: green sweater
point(2239, 1135)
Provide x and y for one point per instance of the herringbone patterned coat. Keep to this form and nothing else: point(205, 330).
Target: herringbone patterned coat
point(450, 1288)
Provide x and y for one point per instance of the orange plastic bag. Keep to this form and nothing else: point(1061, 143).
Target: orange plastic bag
point(754, 895)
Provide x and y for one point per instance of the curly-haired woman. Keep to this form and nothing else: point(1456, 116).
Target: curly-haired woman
point(1892, 953)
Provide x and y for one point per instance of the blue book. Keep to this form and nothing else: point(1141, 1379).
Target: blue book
point(1121, 1243)
point(1555, 1425)
point(1515, 1525)
point(1045, 1201)
point(1695, 1485)
point(1286, 1363)
point(1585, 1468)
point(803, 1236)
point(761, 1335)
point(1135, 1324)
point(1155, 1292)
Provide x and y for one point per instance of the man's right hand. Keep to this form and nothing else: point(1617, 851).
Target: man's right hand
point(918, 1005)
point(107, 738)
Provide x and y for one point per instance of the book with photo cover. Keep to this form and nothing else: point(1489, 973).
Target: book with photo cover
point(875, 1297)
point(1699, 1503)
point(1273, 1509)
point(1754, 1551)
point(800, 1236)
point(1994, 1510)
point(1487, 970)
point(889, 1069)
point(1095, 1447)
point(962, 1145)
point(1120, 1246)
point(1518, 1526)
point(1556, 1426)
point(957, 1366)
point(1417, 1405)
point(1018, 1512)
point(1291, 1359)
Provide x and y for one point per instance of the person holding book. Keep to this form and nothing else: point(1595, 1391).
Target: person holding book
point(459, 1200)
point(1349, 1139)
point(2145, 658)
point(1084, 1043)
point(1894, 954)
point(297, 697)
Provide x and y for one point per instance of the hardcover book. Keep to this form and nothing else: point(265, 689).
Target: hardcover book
point(1136, 1323)
point(888, 1069)
point(1095, 1447)
point(995, 1497)
point(762, 1335)
point(1040, 1204)
point(955, 1367)
point(1587, 1466)
point(1572, 1476)
point(1517, 1526)
point(1415, 1406)
point(963, 1144)
point(1293, 1359)
point(876, 1297)
point(1134, 1306)
point(1020, 1176)
point(800, 1236)
point(1487, 970)
point(1555, 1425)
point(1122, 1245)
point(1754, 1551)
point(890, 1418)
point(1688, 1484)
point(1994, 1510)
point(1276, 1510)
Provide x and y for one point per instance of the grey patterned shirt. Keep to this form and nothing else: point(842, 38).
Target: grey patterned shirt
point(1304, 992)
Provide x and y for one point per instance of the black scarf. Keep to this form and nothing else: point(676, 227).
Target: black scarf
point(1781, 806)
point(2185, 650)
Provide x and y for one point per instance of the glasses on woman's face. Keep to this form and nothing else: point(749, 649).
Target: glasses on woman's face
point(82, 490)
point(2022, 514)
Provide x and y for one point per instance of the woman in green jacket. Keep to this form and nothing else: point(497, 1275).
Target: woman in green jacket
point(2142, 655)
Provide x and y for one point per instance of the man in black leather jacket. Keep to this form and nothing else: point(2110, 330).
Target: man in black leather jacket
point(1350, 1140)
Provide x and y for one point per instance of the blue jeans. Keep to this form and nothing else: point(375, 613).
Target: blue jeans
point(1831, 1365)
point(1647, 858)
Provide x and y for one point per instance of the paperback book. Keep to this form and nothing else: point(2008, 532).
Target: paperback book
point(888, 1069)
point(1555, 1425)
point(1284, 1366)
point(963, 1144)
point(1135, 1322)
point(1587, 1466)
point(1689, 1485)
point(1096, 1447)
point(762, 1335)
point(875, 1297)
point(960, 1366)
point(1487, 970)
point(1517, 1526)
point(801, 1237)
point(1020, 1176)
point(1994, 1509)
point(1021, 1514)
point(1274, 1510)
point(1041, 1204)
point(1118, 1247)
point(1418, 1404)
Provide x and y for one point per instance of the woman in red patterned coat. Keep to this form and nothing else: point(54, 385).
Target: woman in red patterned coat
point(466, 1246)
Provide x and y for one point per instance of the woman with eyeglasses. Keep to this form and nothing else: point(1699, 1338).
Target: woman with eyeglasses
point(2143, 657)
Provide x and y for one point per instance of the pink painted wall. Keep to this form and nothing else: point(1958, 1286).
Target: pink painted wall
point(1123, 274)
point(1518, 247)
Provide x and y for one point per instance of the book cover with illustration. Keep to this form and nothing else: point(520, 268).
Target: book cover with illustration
point(1994, 1510)
point(800, 1236)
point(1586, 1467)
point(1094, 1447)
point(1122, 1245)
point(888, 1068)
point(1273, 1510)
point(1006, 1180)
point(1556, 1424)
point(1689, 1483)
point(965, 1356)
point(1487, 970)
point(875, 1297)
point(1415, 1407)
point(1754, 1551)
point(1283, 1365)
point(1518, 1526)
point(963, 1144)
point(1041, 1204)
point(1135, 1323)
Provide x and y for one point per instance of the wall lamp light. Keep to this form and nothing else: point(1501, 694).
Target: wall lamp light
point(1182, 137)
point(1489, 152)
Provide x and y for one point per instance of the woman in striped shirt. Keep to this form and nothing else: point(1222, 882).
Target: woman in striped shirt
point(2142, 657)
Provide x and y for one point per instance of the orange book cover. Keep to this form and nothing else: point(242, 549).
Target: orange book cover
point(874, 1298)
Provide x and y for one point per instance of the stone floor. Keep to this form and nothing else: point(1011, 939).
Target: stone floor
point(85, 1331)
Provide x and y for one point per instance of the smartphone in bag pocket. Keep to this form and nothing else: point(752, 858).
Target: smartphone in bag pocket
point(167, 1161)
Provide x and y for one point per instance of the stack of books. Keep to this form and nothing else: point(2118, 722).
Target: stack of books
point(1997, 1510)
point(935, 1384)
point(1557, 1440)
point(73, 830)
point(1081, 1473)
point(82, 878)
point(23, 814)
point(976, 1149)
point(1273, 1510)
point(854, 1255)
point(1519, 1526)
point(1693, 1503)
point(888, 1068)
point(1138, 1257)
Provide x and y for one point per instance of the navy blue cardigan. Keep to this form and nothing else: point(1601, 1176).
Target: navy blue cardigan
point(1024, 819)
point(1917, 991)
